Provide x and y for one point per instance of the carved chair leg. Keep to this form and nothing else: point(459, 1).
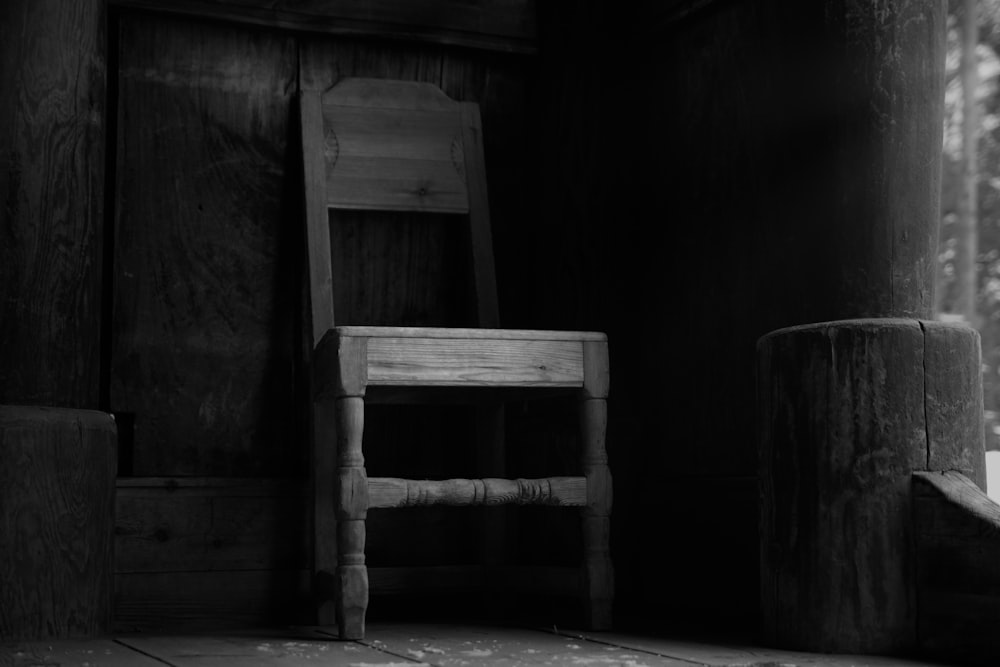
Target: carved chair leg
point(352, 509)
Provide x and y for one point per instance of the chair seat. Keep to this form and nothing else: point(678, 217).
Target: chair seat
point(437, 357)
point(467, 333)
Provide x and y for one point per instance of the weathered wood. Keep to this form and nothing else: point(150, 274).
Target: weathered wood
point(52, 124)
point(480, 361)
point(395, 492)
point(351, 511)
point(204, 524)
point(399, 158)
point(957, 534)
point(317, 220)
point(376, 156)
point(496, 646)
point(496, 25)
point(261, 648)
point(953, 387)
point(75, 653)
point(461, 333)
point(57, 472)
point(206, 267)
point(842, 428)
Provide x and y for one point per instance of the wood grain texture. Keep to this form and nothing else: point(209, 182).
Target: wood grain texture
point(52, 123)
point(351, 510)
point(205, 267)
point(414, 269)
point(396, 492)
point(206, 524)
point(483, 362)
point(953, 388)
point(957, 531)
point(842, 428)
point(57, 471)
point(394, 158)
point(501, 25)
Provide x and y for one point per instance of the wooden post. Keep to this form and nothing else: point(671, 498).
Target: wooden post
point(848, 411)
point(52, 144)
point(57, 489)
point(598, 573)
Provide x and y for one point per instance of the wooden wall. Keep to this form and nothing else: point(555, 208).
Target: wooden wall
point(656, 171)
point(739, 167)
point(205, 328)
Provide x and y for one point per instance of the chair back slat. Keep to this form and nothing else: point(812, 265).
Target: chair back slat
point(399, 146)
point(394, 159)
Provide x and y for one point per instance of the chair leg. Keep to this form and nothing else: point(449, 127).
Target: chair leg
point(598, 574)
point(352, 509)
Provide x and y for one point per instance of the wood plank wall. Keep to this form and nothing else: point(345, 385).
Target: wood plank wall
point(650, 175)
point(206, 327)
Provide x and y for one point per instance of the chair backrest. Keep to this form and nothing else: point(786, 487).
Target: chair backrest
point(398, 146)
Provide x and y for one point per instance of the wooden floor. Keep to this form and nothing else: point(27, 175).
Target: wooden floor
point(414, 644)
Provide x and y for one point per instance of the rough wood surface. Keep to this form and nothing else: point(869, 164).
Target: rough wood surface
point(79, 653)
point(953, 388)
point(57, 489)
point(500, 25)
point(52, 124)
point(958, 583)
point(205, 266)
point(842, 428)
point(849, 410)
point(495, 646)
point(395, 492)
point(286, 648)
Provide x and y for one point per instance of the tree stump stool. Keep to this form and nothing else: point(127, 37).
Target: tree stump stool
point(848, 410)
point(57, 489)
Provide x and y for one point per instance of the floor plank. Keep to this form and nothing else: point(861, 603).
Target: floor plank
point(419, 645)
point(291, 649)
point(73, 653)
point(451, 646)
point(724, 655)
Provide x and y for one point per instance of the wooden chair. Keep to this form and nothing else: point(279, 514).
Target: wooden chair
point(405, 146)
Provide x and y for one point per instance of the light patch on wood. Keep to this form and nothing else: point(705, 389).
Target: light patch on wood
point(426, 361)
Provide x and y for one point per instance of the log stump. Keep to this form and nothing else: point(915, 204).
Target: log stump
point(848, 410)
point(57, 488)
